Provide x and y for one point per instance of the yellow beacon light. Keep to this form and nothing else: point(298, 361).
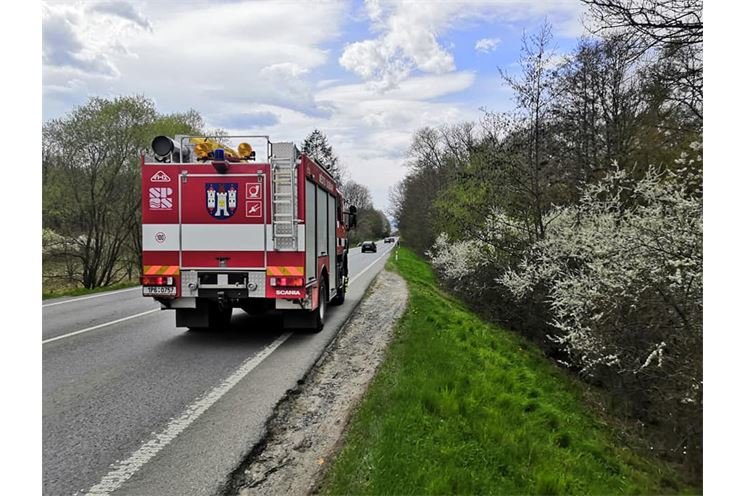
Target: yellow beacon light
point(205, 147)
point(244, 151)
point(202, 150)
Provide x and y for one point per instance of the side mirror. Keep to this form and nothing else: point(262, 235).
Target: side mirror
point(352, 217)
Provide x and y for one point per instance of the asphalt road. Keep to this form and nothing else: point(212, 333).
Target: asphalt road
point(134, 405)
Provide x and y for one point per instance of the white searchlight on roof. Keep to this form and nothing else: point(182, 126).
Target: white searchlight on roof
point(167, 150)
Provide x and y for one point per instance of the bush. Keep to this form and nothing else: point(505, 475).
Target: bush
point(614, 290)
point(624, 273)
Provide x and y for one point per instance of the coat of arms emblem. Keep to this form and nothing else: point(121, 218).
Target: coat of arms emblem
point(222, 199)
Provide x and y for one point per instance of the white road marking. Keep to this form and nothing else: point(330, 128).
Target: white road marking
point(122, 471)
point(99, 326)
point(107, 293)
point(368, 267)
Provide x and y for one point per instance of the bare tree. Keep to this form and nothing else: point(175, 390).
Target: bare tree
point(597, 107)
point(533, 90)
point(668, 22)
point(356, 194)
point(675, 29)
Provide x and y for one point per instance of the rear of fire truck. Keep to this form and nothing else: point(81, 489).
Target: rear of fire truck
point(258, 227)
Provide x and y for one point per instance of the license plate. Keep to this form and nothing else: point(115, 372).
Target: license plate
point(159, 291)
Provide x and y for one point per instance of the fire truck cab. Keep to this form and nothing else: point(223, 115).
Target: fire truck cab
point(258, 226)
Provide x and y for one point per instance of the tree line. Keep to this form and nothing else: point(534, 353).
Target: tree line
point(372, 224)
point(576, 218)
point(91, 188)
point(91, 193)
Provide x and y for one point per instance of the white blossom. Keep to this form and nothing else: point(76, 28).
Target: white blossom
point(626, 240)
point(623, 270)
point(455, 260)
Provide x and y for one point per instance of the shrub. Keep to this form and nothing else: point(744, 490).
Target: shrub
point(624, 274)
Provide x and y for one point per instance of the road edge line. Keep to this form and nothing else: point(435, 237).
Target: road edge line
point(82, 298)
point(121, 471)
point(99, 326)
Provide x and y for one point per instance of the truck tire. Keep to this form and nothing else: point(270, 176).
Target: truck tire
point(318, 316)
point(341, 293)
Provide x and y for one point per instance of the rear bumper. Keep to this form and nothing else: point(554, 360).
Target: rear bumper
point(233, 285)
point(216, 283)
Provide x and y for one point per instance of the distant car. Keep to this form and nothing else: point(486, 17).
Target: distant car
point(390, 240)
point(369, 246)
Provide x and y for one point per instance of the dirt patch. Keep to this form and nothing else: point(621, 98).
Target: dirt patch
point(309, 423)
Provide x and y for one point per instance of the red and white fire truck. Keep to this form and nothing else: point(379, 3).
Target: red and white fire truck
point(260, 227)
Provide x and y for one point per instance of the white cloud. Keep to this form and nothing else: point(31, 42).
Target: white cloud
point(486, 45)
point(124, 10)
point(419, 88)
point(408, 41)
point(408, 34)
point(371, 130)
point(65, 46)
point(283, 70)
point(212, 57)
point(374, 10)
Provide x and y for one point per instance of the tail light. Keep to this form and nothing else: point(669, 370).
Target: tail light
point(290, 281)
point(156, 280)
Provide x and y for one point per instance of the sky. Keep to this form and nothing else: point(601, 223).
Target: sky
point(366, 73)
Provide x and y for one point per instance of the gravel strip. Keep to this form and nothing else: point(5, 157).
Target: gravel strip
point(309, 423)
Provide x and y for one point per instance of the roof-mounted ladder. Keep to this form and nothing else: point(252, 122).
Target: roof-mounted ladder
point(284, 196)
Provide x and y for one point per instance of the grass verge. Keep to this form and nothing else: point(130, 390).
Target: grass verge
point(463, 407)
point(83, 291)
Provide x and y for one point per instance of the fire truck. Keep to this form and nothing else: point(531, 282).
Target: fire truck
point(257, 226)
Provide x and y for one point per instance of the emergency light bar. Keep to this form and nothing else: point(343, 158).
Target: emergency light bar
point(205, 150)
point(165, 149)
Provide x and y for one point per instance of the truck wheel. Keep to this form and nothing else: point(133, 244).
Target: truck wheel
point(341, 293)
point(318, 318)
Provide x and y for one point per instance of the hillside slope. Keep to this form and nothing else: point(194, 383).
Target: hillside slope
point(463, 407)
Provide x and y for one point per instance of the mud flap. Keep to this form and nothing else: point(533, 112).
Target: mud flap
point(193, 317)
point(298, 319)
point(207, 315)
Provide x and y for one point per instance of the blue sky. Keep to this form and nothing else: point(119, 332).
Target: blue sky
point(368, 73)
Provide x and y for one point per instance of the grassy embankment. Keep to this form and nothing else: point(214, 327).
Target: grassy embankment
point(54, 283)
point(77, 291)
point(463, 407)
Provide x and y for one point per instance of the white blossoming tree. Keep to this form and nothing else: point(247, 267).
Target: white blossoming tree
point(624, 272)
point(618, 278)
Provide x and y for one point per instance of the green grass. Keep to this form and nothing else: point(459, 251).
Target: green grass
point(463, 407)
point(56, 293)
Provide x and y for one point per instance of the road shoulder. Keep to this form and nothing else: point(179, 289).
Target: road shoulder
point(309, 423)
